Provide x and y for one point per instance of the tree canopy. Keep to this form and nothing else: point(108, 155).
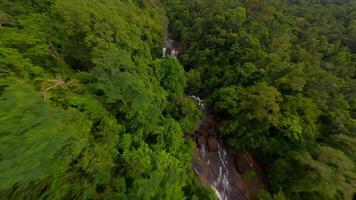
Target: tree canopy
point(280, 76)
point(90, 110)
point(87, 107)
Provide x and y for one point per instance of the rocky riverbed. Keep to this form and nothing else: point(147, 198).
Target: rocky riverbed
point(232, 174)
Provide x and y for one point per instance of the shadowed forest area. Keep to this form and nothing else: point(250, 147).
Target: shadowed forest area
point(89, 108)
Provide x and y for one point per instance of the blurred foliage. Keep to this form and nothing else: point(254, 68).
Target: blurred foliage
point(32, 134)
point(87, 109)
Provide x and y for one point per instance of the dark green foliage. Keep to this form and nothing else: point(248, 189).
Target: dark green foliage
point(161, 186)
point(89, 111)
point(171, 76)
point(325, 173)
point(280, 76)
point(33, 135)
point(84, 103)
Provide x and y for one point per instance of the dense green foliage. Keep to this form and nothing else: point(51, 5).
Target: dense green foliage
point(281, 77)
point(87, 111)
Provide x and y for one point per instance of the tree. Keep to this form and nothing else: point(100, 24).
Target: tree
point(34, 135)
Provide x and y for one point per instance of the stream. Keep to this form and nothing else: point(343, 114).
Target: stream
point(212, 161)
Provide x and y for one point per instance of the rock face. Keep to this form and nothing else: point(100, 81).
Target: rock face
point(201, 140)
point(246, 164)
point(213, 144)
point(233, 175)
point(214, 165)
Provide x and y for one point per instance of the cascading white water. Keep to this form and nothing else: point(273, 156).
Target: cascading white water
point(216, 167)
point(200, 103)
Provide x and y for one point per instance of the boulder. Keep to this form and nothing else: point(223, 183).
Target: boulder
point(213, 144)
point(242, 161)
point(201, 140)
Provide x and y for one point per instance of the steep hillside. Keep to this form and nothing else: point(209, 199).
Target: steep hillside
point(280, 75)
point(87, 109)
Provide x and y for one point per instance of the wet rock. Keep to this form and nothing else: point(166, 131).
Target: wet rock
point(214, 165)
point(239, 183)
point(242, 161)
point(211, 132)
point(201, 140)
point(213, 144)
point(245, 163)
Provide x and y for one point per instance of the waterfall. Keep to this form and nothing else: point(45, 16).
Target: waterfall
point(200, 103)
point(214, 165)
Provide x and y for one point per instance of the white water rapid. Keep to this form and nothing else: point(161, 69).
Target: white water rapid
point(213, 162)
